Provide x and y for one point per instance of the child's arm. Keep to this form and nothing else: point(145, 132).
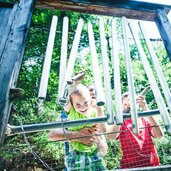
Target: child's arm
point(113, 131)
point(101, 144)
point(103, 147)
point(101, 126)
point(65, 135)
point(67, 108)
point(156, 132)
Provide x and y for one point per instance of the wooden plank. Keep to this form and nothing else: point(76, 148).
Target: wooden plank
point(6, 19)
point(130, 9)
point(12, 55)
point(164, 28)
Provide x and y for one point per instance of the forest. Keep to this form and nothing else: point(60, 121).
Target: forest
point(34, 151)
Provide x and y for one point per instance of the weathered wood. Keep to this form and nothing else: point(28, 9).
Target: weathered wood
point(129, 8)
point(164, 28)
point(12, 56)
point(6, 19)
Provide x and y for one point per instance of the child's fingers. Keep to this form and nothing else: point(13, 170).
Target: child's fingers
point(94, 128)
point(92, 131)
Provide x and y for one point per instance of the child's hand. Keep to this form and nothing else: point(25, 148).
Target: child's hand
point(102, 145)
point(92, 130)
point(140, 100)
point(92, 91)
point(86, 135)
point(94, 104)
point(85, 138)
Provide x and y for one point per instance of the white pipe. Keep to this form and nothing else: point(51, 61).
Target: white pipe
point(117, 83)
point(95, 67)
point(134, 116)
point(47, 60)
point(153, 83)
point(106, 74)
point(159, 72)
point(73, 54)
point(63, 58)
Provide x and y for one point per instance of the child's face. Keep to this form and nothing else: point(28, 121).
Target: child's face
point(81, 104)
point(126, 104)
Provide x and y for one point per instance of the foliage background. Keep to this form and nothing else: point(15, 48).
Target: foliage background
point(25, 110)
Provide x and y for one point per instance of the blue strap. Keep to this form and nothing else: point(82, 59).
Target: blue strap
point(64, 116)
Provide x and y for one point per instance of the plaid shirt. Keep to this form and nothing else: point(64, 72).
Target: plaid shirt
point(81, 161)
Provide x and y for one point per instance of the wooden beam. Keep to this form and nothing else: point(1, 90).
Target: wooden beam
point(164, 28)
point(133, 9)
point(11, 56)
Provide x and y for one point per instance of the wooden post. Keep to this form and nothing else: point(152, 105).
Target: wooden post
point(164, 28)
point(11, 53)
point(4, 14)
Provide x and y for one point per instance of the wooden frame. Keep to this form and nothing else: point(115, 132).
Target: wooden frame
point(133, 9)
point(17, 21)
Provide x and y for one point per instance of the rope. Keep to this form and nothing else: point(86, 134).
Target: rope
point(65, 134)
point(30, 148)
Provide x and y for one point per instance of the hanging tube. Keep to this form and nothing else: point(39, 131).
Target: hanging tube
point(130, 79)
point(63, 58)
point(106, 74)
point(153, 83)
point(95, 67)
point(72, 57)
point(159, 72)
point(47, 60)
point(117, 83)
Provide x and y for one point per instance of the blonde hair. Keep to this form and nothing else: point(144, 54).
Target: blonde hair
point(80, 90)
